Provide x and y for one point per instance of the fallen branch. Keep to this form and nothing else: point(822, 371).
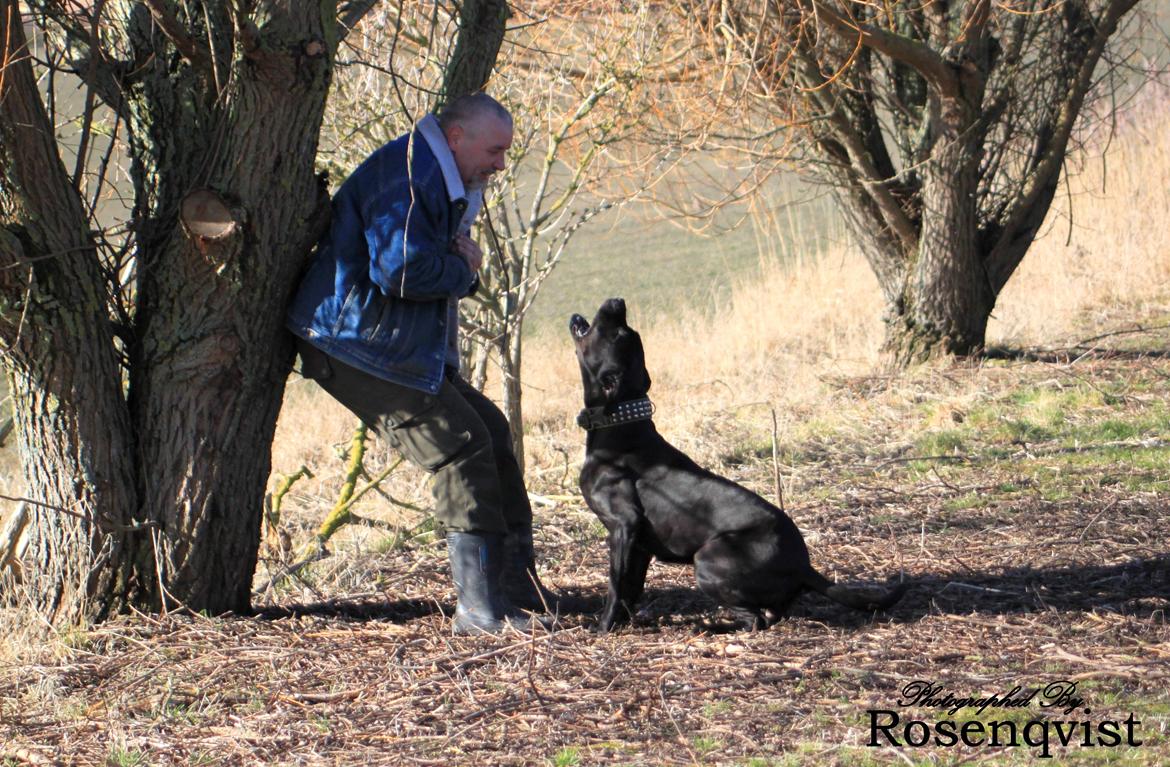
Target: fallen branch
point(340, 514)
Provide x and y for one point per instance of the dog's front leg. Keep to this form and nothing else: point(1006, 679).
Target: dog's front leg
point(627, 575)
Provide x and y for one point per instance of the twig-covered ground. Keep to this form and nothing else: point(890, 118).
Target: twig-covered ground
point(1025, 502)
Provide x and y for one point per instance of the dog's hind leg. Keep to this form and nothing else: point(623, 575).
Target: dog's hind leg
point(718, 573)
point(748, 616)
point(748, 619)
point(778, 607)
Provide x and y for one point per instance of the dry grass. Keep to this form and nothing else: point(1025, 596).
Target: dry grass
point(1024, 501)
point(1104, 257)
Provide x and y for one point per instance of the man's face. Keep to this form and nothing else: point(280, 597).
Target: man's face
point(480, 146)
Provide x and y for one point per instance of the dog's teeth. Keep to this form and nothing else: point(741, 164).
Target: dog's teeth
point(578, 326)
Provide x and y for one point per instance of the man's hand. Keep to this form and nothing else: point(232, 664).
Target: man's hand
point(469, 250)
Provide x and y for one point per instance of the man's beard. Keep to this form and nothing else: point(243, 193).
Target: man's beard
point(480, 181)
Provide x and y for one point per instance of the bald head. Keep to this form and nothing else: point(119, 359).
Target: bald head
point(469, 108)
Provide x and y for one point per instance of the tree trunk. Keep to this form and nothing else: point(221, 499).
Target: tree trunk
point(510, 368)
point(235, 208)
point(148, 480)
point(481, 31)
point(946, 299)
point(479, 366)
point(72, 422)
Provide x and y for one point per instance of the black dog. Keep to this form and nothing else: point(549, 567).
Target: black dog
point(657, 502)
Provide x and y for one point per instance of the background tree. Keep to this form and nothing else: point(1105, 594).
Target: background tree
point(147, 359)
point(942, 128)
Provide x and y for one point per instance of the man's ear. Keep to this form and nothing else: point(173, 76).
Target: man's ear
point(454, 136)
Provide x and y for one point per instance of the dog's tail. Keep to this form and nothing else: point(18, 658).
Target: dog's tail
point(857, 596)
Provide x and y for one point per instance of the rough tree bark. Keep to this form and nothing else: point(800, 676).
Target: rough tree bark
point(147, 455)
point(72, 424)
point(481, 32)
point(234, 209)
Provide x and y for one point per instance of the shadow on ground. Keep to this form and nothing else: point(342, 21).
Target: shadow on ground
point(1140, 587)
point(399, 611)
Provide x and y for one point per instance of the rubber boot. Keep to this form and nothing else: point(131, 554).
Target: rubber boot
point(477, 560)
point(522, 585)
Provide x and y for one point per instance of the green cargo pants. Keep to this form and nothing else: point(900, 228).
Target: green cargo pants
point(458, 435)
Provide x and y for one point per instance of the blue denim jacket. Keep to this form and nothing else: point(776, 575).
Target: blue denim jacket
point(376, 295)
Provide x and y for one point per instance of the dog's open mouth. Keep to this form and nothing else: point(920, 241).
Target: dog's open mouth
point(578, 326)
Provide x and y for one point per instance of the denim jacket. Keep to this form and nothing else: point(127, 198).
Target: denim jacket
point(377, 293)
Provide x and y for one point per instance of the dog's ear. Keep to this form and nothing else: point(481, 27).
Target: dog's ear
point(639, 363)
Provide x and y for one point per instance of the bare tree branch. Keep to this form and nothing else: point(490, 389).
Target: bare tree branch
point(1027, 214)
point(915, 54)
point(350, 14)
point(196, 52)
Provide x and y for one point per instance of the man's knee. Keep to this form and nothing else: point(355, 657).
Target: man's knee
point(490, 414)
point(472, 446)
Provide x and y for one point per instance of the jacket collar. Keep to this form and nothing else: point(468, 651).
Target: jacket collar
point(428, 128)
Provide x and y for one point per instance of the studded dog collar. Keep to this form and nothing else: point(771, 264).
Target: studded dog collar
point(624, 412)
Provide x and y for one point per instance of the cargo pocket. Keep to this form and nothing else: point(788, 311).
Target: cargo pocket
point(431, 437)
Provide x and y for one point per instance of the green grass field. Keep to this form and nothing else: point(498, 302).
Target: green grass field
point(659, 267)
point(652, 259)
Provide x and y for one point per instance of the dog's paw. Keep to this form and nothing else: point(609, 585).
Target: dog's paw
point(609, 623)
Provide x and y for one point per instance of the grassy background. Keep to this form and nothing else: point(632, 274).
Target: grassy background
point(662, 266)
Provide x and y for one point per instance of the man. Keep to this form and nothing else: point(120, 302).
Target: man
point(377, 317)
